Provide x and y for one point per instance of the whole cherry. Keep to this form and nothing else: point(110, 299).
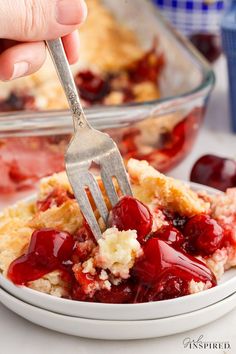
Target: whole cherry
point(208, 44)
point(48, 250)
point(203, 235)
point(131, 214)
point(214, 171)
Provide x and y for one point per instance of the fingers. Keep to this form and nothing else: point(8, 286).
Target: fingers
point(37, 20)
point(21, 59)
point(71, 46)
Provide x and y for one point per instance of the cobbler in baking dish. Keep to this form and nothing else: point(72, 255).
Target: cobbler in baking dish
point(165, 242)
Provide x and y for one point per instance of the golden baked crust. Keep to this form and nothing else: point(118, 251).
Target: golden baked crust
point(48, 184)
point(149, 184)
point(15, 233)
point(65, 217)
point(107, 44)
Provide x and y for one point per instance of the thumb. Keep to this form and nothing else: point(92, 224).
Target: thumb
point(35, 20)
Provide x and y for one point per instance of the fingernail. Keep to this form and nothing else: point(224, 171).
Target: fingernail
point(70, 12)
point(20, 69)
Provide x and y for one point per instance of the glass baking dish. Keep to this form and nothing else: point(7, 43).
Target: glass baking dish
point(162, 131)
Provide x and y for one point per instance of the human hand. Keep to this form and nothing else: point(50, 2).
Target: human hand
point(26, 24)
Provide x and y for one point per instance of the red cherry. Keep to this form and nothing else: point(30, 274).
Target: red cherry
point(47, 251)
point(203, 235)
point(161, 261)
point(169, 234)
point(169, 287)
point(130, 214)
point(84, 233)
point(92, 87)
point(208, 44)
point(48, 243)
point(119, 294)
point(85, 280)
point(78, 293)
point(214, 171)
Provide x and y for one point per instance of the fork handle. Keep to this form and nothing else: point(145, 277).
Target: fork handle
point(64, 73)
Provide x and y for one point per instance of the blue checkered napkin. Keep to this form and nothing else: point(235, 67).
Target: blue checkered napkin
point(193, 15)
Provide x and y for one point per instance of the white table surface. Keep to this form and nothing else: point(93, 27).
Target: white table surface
point(17, 336)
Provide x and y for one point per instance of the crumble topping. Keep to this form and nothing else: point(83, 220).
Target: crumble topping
point(217, 262)
point(51, 284)
point(196, 287)
point(117, 251)
point(65, 217)
point(48, 184)
point(223, 207)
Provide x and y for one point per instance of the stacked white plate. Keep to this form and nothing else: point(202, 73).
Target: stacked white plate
point(122, 321)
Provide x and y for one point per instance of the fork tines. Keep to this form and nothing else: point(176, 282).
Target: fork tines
point(111, 166)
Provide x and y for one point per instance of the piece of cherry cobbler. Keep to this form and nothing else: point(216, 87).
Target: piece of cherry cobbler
point(165, 242)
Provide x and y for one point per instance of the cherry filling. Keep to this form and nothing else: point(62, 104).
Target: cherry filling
point(18, 161)
point(214, 171)
point(203, 235)
point(48, 250)
point(148, 67)
point(163, 265)
point(84, 244)
point(17, 102)
point(119, 294)
point(57, 197)
point(92, 87)
point(130, 214)
point(169, 147)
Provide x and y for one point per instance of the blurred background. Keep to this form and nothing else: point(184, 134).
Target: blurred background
point(199, 20)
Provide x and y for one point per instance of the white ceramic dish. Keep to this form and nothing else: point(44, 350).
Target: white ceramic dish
point(127, 312)
point(114, 330)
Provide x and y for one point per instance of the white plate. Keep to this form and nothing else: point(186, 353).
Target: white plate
point(114, 330)
point(144, 311)
point(116, 312)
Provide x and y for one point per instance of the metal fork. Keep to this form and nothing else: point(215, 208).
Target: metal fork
point(87, 146)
